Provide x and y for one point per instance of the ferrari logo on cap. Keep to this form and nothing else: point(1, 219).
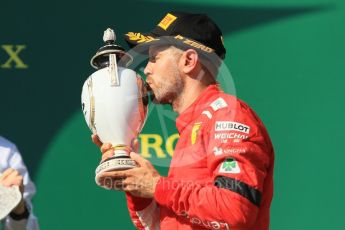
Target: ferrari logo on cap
point(166, 21)
point(195, 131)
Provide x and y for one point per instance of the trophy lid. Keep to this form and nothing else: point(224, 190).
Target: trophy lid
point(101, 58)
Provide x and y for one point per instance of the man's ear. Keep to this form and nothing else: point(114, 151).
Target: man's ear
point(190, 61)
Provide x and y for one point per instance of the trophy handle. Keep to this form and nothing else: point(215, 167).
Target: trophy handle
point(143, 101)
point(113, 70)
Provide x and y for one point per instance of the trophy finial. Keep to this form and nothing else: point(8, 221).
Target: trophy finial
point(109, 36)
point(101, 58)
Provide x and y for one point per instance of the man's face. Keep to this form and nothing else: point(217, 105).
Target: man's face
point(163, 74)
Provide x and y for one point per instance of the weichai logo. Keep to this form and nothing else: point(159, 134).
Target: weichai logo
point(10, 56)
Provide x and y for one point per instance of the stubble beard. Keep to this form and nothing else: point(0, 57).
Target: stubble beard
point(169, 89)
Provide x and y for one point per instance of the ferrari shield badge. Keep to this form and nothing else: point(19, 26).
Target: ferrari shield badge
point(195, 131)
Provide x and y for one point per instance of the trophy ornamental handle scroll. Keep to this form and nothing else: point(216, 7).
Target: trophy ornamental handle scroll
point(113, 70)
point(109, 37)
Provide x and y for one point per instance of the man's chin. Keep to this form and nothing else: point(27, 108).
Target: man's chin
point(161, 101)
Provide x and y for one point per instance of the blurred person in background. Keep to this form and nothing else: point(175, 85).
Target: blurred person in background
point(13, 172)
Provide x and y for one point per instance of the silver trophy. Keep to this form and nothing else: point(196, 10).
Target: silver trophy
point(114, 103)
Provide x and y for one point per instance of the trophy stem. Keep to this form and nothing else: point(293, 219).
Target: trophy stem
point(121, 150)
point(120, 161)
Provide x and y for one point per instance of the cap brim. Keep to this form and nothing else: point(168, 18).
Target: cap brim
point(140, 43)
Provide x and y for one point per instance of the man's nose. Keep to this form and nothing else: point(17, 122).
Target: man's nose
point(148, 69)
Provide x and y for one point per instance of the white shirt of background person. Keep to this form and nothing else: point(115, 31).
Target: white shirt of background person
point(11, 158)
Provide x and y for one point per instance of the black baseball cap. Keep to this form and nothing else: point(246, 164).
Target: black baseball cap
point(184, 30)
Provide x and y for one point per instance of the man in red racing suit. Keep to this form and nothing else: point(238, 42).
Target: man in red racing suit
point(221, 174)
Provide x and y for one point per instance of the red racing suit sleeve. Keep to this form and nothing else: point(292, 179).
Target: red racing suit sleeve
point(238, 157)
point(144, 212)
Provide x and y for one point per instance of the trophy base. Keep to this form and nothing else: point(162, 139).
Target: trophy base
point(116, 163)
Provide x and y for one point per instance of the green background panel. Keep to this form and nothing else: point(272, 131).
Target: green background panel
point(286, 60)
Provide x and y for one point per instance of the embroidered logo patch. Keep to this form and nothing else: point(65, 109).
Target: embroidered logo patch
point(194, 44)
point(140, 38)
point(166, 21)
point(231, 125)
point(229, 166)
point(217, 151)
point(195, 131)
point(218, 104)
